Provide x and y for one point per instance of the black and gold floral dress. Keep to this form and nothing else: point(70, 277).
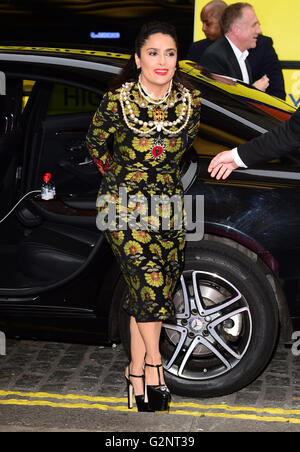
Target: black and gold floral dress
point(149, 140)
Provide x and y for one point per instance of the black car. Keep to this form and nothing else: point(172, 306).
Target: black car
point(59, 279)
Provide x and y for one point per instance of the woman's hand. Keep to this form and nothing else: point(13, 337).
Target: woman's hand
point(222, 165)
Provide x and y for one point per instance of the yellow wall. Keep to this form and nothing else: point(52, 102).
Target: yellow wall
point(280, 20)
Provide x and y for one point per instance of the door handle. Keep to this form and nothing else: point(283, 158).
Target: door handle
point(12, 123)
point(6, 125)
point(9, 123)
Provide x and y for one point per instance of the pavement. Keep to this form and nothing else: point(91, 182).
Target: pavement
point(59, 387)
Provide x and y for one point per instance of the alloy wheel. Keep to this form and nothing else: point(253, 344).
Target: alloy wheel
point(213, 328)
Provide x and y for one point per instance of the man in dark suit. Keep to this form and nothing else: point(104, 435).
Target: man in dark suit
point(273, 144)
point(220, 58)
point(210, 17)
point(262, 59)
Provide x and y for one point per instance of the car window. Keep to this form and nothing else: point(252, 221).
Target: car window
point(27, 89)
point(66, 100)
point(220, 131)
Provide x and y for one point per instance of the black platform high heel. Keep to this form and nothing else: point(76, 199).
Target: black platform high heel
point(139, 399)
point(157, 396)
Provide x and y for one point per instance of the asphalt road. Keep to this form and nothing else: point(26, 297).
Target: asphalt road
point(54, 387)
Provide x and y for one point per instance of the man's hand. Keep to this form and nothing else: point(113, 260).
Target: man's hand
point(262, 84)
point(222, 165)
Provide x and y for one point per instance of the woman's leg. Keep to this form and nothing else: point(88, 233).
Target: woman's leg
point(144, 345)
point(138, 351)
point(150, 334)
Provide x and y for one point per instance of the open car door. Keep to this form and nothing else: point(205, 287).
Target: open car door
point(10, 139)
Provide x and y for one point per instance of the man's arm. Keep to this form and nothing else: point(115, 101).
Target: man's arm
point(278, 141)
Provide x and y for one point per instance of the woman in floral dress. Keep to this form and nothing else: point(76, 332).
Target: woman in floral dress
point(152, 114)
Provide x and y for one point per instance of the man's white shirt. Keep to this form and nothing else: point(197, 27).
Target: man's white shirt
point(237, 159)
point(241, 57)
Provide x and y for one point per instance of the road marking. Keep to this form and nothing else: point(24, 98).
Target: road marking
point(64, 396)
point(62, 405)
point(115, 404)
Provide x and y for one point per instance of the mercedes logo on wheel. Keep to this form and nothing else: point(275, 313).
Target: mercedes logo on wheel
point(195, 324)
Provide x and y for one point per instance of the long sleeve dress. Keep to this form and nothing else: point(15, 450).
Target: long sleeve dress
point(143, 166)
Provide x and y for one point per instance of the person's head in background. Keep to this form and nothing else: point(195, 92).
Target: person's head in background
point(241, 25)
point(210, 17)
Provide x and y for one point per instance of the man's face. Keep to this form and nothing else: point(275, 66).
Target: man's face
point(210, 27)
point(247, 29)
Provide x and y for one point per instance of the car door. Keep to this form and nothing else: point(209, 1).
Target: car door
point(58, 136)
point(44, 253)
point(11, 134)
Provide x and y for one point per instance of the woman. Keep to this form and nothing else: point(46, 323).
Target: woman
point(153, 116)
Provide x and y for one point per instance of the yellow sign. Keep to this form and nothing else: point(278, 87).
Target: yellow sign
point(292, 86)
point(279, 20)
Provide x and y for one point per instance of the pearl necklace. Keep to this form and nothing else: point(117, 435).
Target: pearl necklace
point(147, 96)
point(154, 125)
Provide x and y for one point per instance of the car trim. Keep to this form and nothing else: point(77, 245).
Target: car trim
point(188, 177)
point(233, 116)
point(60, 61)
point(270, 173)
point(64, 51)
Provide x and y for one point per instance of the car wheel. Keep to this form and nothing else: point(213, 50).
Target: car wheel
point(226, 323)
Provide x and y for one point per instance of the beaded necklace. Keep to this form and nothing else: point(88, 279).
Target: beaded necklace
point(147, 96)
point(159, 123)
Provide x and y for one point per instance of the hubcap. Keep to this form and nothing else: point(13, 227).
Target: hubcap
point(213, 328)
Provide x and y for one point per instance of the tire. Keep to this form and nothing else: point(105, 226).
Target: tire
point(227, 323)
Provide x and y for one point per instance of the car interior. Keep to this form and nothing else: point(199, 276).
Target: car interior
point(44, 242)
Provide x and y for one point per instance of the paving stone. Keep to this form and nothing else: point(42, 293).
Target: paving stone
point(60, 376)
point(275, 380)
point(41, 368)
point(84, 386)
point(91, 371)
point(27, 381)
point(247, 398)
point(276, 394)
point(53, 388)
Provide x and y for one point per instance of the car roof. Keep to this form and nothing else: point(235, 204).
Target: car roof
point(112, 57)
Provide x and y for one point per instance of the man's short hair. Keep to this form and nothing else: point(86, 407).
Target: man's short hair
point(231, 14)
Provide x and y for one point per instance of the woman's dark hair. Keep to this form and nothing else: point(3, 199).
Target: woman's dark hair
point(130, 73)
